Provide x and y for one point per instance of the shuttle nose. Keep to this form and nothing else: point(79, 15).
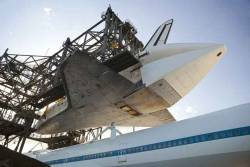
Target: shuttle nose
point(181, 66)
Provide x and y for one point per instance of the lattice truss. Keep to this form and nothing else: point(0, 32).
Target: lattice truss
point(28, 82)
point(21, 78)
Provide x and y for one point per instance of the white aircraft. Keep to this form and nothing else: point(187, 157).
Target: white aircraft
point(219, 139)
point(136, 96)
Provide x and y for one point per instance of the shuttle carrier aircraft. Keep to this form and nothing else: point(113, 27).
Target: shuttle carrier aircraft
point(218, 139)
point(107, 76)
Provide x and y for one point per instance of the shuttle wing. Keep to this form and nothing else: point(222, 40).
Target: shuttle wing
point(99, 96)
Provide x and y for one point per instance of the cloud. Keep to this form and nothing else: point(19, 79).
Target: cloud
point(48, 20)
point(47, 11)
point(190, 110)
point(183, 112)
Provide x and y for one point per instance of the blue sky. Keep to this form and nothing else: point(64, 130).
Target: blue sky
point(40, 27)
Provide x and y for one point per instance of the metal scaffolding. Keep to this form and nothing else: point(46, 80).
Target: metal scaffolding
point(28, 83)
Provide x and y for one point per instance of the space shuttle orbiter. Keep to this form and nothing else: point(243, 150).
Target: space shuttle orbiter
point(136, 96)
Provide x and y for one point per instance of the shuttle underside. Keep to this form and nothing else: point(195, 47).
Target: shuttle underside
point(100, 96)
point(136, 96)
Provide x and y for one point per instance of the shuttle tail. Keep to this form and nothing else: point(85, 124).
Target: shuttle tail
point(160, 36)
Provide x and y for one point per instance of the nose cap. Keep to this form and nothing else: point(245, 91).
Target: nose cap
point(221, 49)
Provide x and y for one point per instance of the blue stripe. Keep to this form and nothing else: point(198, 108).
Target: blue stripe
point(243, 131)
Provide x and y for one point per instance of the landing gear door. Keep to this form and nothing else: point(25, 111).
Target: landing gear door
point(122, 156)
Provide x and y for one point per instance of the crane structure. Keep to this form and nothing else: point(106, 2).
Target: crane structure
point(29, 83)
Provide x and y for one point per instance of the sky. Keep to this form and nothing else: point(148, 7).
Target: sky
point(40, 27)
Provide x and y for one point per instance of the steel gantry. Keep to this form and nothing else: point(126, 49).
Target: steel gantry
point(28, 83)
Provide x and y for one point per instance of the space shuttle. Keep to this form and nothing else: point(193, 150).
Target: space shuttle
point(138, 95)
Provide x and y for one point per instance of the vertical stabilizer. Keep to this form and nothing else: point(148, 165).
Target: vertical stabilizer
point(161, 35)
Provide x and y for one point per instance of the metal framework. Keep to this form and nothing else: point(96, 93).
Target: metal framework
point(30, 82)
point(64, 139)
